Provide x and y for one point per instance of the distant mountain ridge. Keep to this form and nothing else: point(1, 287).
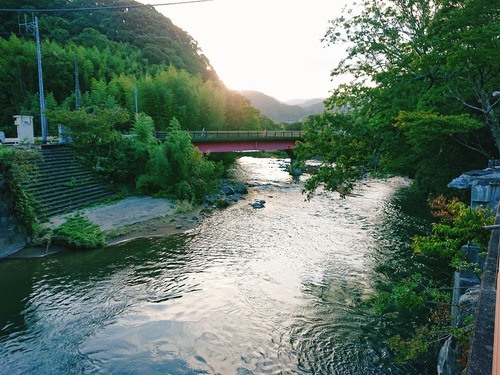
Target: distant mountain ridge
point(291, 111)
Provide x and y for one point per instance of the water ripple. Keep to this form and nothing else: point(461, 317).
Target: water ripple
point(279, 290)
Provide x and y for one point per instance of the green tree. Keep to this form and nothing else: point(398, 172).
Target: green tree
point(178, 169)
point(466, 52)
point(240, 115)
point(140, 148)
point(95, 138)
point(346, 149)
point(398, 66)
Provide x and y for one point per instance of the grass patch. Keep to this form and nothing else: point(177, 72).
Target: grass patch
point(183, 207)
point(79, 233)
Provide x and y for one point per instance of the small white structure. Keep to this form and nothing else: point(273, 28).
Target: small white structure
point(25, 132)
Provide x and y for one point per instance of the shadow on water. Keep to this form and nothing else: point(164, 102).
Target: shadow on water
point(407, 214)
point(53, 304)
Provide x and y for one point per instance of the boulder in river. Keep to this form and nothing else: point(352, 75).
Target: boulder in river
point(241, 188)
point(259, 204)
point(227, 190)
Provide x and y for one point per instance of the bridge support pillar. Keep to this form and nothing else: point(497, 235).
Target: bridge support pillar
point(293, 170)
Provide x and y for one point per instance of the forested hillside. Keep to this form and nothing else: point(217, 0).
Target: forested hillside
point(279, 111)
point(112, 49)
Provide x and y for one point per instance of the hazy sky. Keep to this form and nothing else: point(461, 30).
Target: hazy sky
point(272, 46)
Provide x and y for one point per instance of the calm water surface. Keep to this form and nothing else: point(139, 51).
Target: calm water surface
point(280, 290)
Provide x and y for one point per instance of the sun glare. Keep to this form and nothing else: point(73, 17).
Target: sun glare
point(269, 46)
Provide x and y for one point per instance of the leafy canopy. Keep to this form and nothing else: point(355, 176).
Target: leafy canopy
point(420, 96)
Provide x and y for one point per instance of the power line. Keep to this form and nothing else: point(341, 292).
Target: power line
point(113, 7)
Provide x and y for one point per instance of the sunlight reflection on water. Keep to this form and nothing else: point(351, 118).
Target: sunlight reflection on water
point(276, 290)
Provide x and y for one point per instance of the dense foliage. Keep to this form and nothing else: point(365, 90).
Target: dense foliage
point(419, 100)
point(155, 38)
point(424, 298)
point(175, 167)
point(107, 52)
point(16, 166)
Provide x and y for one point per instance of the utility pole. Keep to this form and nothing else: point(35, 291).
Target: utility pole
point(32, 27)
point(77, 85)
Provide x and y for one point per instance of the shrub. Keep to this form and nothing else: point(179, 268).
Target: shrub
point(15, 166)
point(78, 232)
point(179, 170)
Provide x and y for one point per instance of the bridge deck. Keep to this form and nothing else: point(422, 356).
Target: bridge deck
point(239, 135)
point(229, 141)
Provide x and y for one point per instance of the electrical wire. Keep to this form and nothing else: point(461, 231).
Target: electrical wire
point(113, 7)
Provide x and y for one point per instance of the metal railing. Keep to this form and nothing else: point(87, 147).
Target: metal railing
point(214, 135)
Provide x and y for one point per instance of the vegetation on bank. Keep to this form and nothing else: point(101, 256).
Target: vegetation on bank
point(424, 299)
point(79, 233)
point(16, 166)
point(171, 168)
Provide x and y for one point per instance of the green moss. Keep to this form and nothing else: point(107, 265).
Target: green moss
point(78, 232)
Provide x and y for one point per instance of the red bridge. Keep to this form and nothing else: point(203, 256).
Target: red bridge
point(227, 141)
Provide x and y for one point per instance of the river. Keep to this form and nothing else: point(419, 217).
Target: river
point(278, 290)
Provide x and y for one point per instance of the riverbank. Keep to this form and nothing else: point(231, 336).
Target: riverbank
point(135, 217)
point(127, 219)
point(144, 216)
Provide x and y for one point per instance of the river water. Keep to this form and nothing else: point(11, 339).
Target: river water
point(278, 290)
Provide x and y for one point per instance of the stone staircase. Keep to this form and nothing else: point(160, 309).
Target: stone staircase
point(62, 184)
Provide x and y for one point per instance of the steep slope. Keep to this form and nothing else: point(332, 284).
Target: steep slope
point(158, 39)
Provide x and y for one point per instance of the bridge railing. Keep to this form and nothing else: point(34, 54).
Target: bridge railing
point(201, 135)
